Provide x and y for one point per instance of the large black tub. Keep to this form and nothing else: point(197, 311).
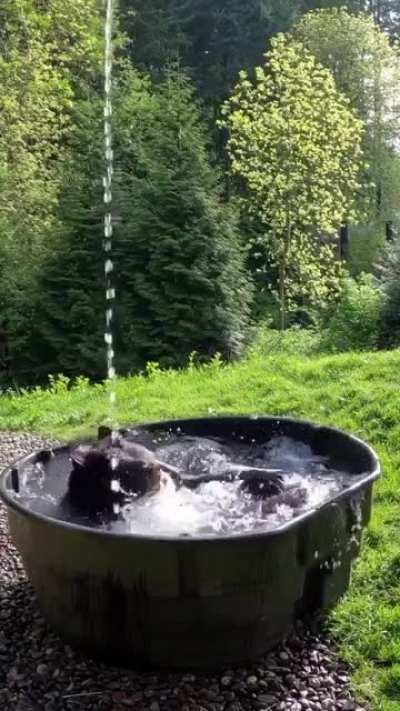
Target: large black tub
point(205, 601)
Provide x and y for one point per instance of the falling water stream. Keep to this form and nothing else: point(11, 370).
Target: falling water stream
point(108, 218)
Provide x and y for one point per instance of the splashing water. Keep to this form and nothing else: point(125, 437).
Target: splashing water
point(218, 508)
point(108, 219)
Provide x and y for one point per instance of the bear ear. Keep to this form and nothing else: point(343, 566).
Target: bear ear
point(79, 454)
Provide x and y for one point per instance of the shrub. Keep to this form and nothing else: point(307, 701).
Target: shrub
point(354, 325)
point(366, 242)
point(389, 273)
point(293, 341)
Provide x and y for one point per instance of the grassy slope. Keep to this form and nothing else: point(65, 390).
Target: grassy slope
point(358, 392)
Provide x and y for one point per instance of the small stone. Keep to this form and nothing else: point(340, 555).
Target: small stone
point(12, 675)
point(226, 681)
point(252, 681)
point(154, 706)
point(42, 669)
point(266, 699)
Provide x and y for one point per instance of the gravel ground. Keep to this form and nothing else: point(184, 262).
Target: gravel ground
point(39, 673)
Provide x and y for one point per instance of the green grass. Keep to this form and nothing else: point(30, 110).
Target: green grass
point(358, 392)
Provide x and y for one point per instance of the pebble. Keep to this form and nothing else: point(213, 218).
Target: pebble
point(37, 671)
point(42, 669)
point(252, 681)
point(266, 699)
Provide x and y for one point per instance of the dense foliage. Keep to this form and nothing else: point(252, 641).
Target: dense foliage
point(354, 325)
point(50, 63)
point(389, 273)
point(366, 68)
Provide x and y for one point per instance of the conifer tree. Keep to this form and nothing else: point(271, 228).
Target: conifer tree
point(182, 286)
point(70, 310)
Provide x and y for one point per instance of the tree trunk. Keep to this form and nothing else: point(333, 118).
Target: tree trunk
point(345, 242)
point(282, 279)
point(389, 231)
point(282, 304)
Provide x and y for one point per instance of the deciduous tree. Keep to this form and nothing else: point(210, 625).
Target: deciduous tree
point(296, 143)
point(366, 67)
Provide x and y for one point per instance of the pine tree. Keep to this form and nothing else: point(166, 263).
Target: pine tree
point(214, 39)
point(178, 264)
point(70, 309)
point(182, 286)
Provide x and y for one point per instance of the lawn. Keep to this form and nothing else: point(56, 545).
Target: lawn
point(358, 392)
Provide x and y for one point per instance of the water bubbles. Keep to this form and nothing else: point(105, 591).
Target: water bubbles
point(222, 507)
